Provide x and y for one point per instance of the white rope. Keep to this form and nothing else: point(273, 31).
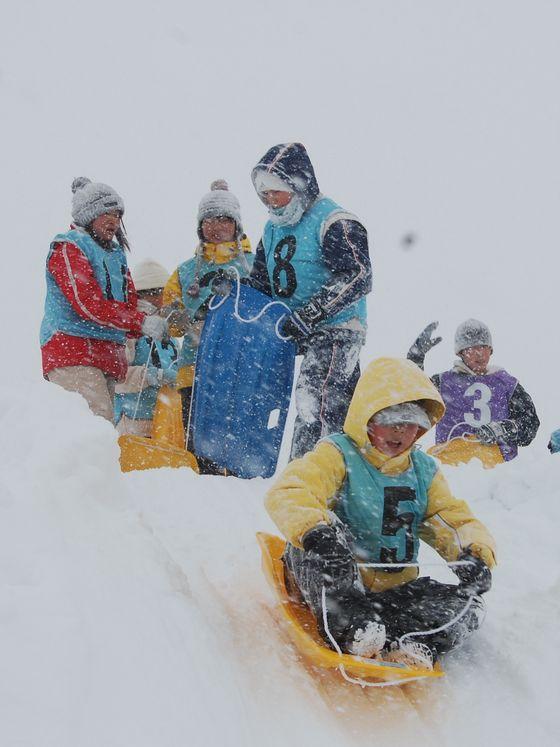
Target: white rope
point(145, 371)
point(213, 306)
point(448, 624)
point(462, 437)
point(453, 564)
point(341, 668)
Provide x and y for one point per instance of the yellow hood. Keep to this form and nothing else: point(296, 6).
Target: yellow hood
point(386, 382)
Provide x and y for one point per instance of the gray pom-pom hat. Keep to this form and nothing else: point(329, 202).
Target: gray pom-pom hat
point(220, 202)
point(92, 199)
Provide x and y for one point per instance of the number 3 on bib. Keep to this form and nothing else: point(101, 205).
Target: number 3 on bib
point(284, 280)
point(480, 403)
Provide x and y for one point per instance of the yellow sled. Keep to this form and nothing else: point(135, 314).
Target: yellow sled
point(462, 450)
point(166, 448)
point(302, 628)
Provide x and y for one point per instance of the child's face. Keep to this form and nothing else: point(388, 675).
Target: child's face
point(105, 226)
point(392, 440)
point(154, 296)
point(477, 358)
point(218, 230)
point(274, 198)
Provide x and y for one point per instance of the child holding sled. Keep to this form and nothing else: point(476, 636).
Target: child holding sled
point(365, 497)
point(151, 363)
point(314, 257)
point(91, 302)
point(488, 413)
point(223, 248)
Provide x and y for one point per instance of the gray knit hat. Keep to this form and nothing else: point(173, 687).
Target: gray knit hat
point(92, 199)
point(220, 202)
point(470, 334)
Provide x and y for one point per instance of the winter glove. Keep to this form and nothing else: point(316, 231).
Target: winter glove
point(300, 323)
point(424, 343)
point(155, 327)
point(222, 282)
point(177, 316)
point(330, 545)
point(475, 578)
point(154, 377)
point(492, 433)
point(146, 307)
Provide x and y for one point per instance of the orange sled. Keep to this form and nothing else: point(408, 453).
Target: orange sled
point(460, 451)
point(166, 448)
point(302, 628)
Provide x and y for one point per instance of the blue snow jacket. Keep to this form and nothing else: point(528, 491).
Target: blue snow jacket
point(322, 262)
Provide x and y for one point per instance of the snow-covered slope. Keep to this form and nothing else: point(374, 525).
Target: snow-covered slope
point(132, 608)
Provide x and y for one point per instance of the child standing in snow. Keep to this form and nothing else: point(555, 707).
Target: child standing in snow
point(151, 363)
point(482, 401)
point(314, 257)
point(222, 246)
point(90, 306)
point(367, 496)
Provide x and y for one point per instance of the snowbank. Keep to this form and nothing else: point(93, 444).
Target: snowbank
point(134, 610)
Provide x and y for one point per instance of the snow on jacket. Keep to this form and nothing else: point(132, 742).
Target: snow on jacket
point(190, 288)
point(319, 485)
point(90, 305)
point(323, 260)
point(148, 360)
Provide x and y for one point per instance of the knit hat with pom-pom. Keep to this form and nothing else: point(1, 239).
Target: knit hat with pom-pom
point(220, 202)
point(92, 199)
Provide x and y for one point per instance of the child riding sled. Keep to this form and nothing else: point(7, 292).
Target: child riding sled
point(488, 413)
point(365, 497)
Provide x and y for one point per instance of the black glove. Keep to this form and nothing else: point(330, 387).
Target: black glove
point(337, 562)
point(424, 342)
point(474, 578)
point(505, 430)
point(301, 322)
point(222, 282)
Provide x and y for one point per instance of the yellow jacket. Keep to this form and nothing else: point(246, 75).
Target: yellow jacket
point(208, 256)
point(307, 490)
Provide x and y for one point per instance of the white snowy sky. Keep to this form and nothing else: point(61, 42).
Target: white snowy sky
point(439, 117)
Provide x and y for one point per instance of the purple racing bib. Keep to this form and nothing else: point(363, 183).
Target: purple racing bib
point(472, 401)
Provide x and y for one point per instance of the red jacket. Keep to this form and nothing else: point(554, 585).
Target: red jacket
point(74, 276)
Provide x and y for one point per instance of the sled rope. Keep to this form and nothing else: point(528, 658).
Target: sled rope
point(448, 624)
point(145, 372)
point(462, 437)
point(452, 564)
point(255, 318)
point(341, 668)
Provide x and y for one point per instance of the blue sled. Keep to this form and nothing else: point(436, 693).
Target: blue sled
point(243, 385)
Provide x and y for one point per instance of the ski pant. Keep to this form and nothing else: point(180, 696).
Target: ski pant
point(328, 376)
point(415, 607)
point(95, 387)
